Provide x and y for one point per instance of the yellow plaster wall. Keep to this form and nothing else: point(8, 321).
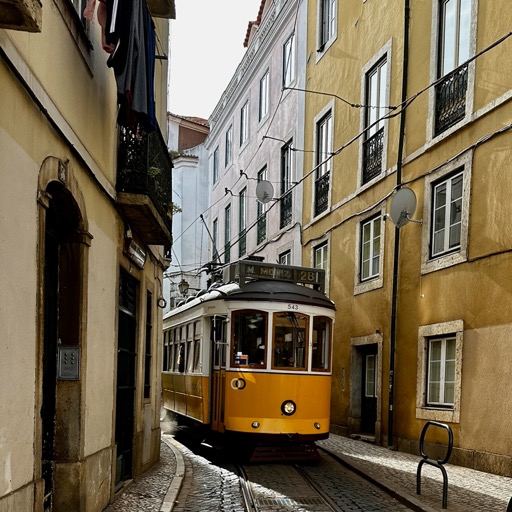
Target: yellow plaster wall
point(18, 277)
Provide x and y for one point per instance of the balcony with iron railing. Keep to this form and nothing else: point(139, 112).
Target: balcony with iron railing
point(286, 209)
point(242, 243)
point(261, 228)
point(372, 156)
point(322, 193)
point(451, 99)
point(144, 190)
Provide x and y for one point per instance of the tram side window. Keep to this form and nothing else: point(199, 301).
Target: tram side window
point(249, 338)
point(322, 329)
point(190, 347)
point(172, 350)
point(180, 361)
point(175, 349)
point(165, 359)
point(290, 340)
point(197, 346)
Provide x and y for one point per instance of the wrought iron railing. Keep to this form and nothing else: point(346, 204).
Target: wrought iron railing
point(262, 228)
point(322, 193)
point(286, 209)
point(242, 244)
point(372, 156)
point(451, 99)
point(144, 167)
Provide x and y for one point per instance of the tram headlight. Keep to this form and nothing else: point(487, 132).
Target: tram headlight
point(317, 425)
point(255, 424)
point(288, 407)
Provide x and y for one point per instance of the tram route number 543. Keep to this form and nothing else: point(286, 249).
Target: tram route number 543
point(295, 307)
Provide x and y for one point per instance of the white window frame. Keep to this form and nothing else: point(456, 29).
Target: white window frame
point(285, 257)
point(325, 149)
point(448, 225)
point(322, 250)
point(432, 263)
point(383, 53)
point(227, 232)
point(242, 219)
point(228, 155)
point(325, 240)
point(264, 96)
point(242, 210)
point(215, 165)
point(327, 15)
point(289, 61)
point(444, 379)
point(261, 208)
point(244, 123)
point(324, 137)
point(215, 239)
point(434, 72)
point(287, 167)
point(454, 329)
point(377, 281)
point(370, 393)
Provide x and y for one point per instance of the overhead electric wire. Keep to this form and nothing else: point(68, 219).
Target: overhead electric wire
point(396, 111)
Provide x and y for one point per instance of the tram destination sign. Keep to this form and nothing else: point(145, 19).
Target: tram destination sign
point(246, 270)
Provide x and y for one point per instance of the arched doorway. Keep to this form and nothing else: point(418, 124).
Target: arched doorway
point(62, 301)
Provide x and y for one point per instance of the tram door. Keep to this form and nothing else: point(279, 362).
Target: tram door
point(369, 390)
point(218, 394)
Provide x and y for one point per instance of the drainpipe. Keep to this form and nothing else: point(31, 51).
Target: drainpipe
point(394, 297)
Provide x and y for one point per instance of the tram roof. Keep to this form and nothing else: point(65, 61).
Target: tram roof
point(259, 290)
point(282, 292)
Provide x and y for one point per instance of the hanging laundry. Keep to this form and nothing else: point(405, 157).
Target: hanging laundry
point(133, 62)
point(102, 19)
point(128, 35)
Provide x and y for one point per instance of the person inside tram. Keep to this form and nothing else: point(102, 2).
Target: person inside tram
point(281, 354)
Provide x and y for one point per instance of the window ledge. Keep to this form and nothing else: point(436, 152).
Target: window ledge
point(442, 415)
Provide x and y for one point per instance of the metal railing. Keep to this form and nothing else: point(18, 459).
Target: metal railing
point(144, 167)
point(286, 209)
point(451, 99)
point(439, 463)
point(262, 228)
point(372, 156)
point(322, 193)
point(242, 243)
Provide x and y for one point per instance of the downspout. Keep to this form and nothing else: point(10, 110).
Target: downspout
point(394, 297)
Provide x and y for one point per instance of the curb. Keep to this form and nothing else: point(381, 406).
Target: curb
point(177, 480)
point(403, 497)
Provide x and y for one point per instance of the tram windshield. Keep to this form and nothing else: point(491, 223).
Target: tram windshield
point(290, 340)
point(249, 338)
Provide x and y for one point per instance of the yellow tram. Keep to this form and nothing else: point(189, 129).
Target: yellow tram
point(251, 358)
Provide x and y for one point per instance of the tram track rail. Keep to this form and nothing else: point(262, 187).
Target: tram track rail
point(321, 501)
point(248, 497)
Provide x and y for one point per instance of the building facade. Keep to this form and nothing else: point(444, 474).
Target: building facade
point(191, 194)
point(406, 186)
point(85, 232)
point(254, 132)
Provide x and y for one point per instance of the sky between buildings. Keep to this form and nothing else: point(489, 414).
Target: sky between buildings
point(207, 40)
